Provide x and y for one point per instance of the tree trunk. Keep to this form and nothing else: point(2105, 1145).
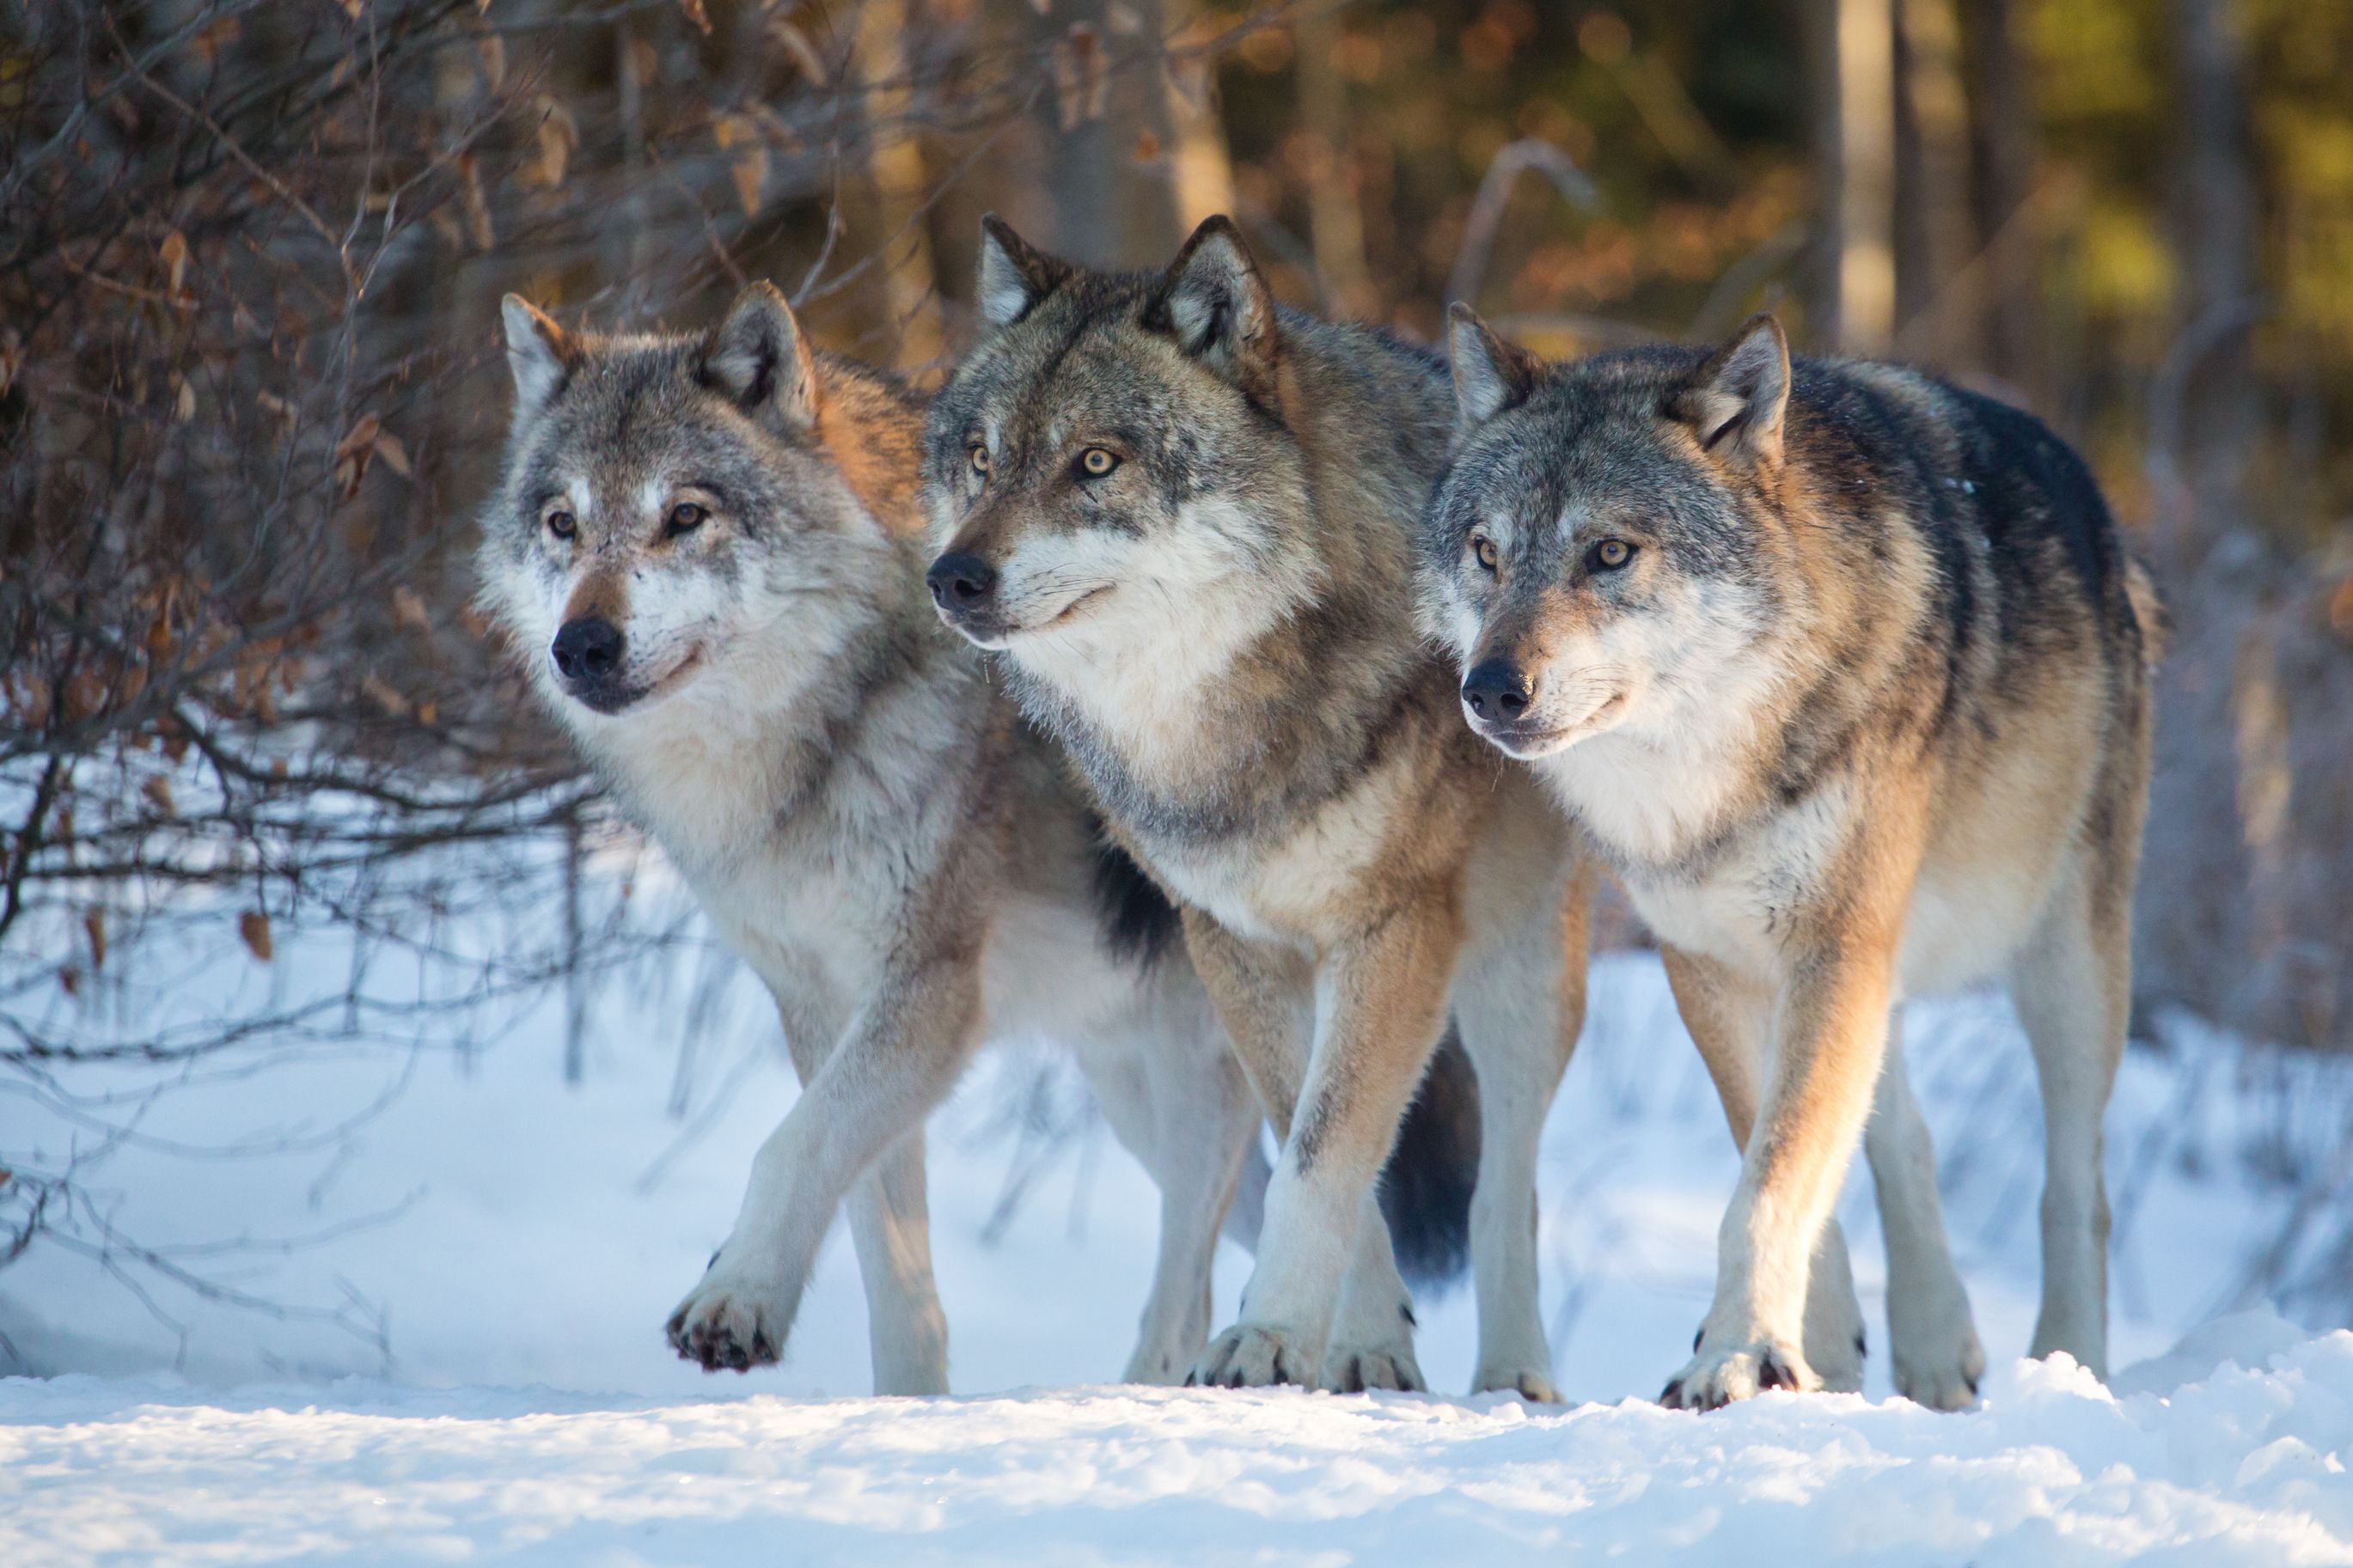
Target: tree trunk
point(2215, 242)
point(2002, 147)
point(1932, 168)
point(1850, 50)
point(1336, 221)
point(894, 227)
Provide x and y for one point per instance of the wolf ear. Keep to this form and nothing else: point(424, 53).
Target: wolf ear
point(759, 358)
point(1490, 374)
point(1215, 303)
point(538, 352)
point(1735, 403)
point(1014, 274)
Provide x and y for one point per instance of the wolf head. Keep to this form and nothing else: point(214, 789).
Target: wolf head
point(1597, 554)
point(674, 530)
point(1108, 471)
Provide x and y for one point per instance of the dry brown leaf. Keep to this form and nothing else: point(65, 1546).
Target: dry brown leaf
point(93, 925)
point(158, 790)
point(478, 204)
point(750, 171)
point(494, 59)
point(696, 14)
point(353, 452)
point(396, 455)
point(254, 927)
point(384, 696)
point(184, 406)
point(408, 608)
point(559, 136)
point(1147, 147)
point(174, 253)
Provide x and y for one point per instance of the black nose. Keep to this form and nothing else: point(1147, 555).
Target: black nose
point(587, 649)
point(1498, 690)
point(959, 581)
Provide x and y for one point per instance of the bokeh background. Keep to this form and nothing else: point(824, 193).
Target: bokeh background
point(251, 394)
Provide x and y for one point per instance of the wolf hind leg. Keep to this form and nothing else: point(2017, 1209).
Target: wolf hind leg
point(1177, 1099)
point(1728, 1015)
point(1519, 998)
point(1937, 1359)
point(2072, 988)
point(890, 1228)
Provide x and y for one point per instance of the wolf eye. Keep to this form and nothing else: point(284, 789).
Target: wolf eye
point(1609, 555)
point(560, 524)
point(1482, 550)
point(686, 517)
point(979, 458)
point(1095, 462)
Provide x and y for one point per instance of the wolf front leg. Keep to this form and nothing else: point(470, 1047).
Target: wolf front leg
point(1836, 973)
point(1520, 1000)
point(899, 1055)
point(1380, 1001)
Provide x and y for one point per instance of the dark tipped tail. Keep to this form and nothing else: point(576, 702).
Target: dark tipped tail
point(1426, 1188)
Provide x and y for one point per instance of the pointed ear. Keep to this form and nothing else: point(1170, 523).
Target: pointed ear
point(1214, 302)
point(538, 352)
point(1490, 374)
point(759, 358)
point(1014, 274)
point(1735, 402)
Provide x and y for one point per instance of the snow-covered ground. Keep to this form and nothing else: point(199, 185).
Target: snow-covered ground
point(478, 1271)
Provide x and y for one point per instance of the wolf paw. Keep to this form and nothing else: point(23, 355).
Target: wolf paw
point(1714, 1379)
point(1353, 1369)
point(1247, 1356)
point(729, 1321)
point(1946, 1380)
point(1535, 1387)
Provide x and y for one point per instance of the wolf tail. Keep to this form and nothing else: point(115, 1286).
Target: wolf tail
point(1426, 1188)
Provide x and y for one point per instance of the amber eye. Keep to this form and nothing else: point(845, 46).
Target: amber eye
point(1095, 462)
point(1482, 550)
point(686, 517)
point(1610, 554)
point(560, 524)
point(979, 458)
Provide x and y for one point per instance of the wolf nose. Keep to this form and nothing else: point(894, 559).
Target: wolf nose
point(958, 580)
point(587, 649)
point(1498, 690)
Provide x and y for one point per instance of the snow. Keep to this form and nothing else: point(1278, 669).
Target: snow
point(480, 1270)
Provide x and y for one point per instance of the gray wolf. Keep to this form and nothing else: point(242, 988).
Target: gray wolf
point(1182, 518)
point(707, 553)
point(1845, 671)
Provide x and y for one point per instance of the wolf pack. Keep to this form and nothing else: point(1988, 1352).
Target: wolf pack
point(1251, 702)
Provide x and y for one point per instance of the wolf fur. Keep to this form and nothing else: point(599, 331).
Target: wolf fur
point(1845, 671)
point(1183, 516)
point(901, 859)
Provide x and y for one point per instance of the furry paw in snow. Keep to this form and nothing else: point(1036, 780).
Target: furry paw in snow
point(1247, 1356)
point(1716, 1377)
point(1945, 1378)
point(1535, 1387)
point(1353, 1369)
point(730, 1321)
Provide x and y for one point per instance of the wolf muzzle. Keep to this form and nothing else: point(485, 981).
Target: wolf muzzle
point(587, 656)
point(963, 587)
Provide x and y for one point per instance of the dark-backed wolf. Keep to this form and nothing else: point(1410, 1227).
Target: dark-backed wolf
point(1184, 517)
point(707, 556)
point(1846, 671)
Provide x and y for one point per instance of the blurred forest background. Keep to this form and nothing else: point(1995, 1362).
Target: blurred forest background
point(251, 393)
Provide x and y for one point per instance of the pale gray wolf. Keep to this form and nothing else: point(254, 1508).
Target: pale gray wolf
point(1182, 517)
point(707, 553)
point(1846, 673)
